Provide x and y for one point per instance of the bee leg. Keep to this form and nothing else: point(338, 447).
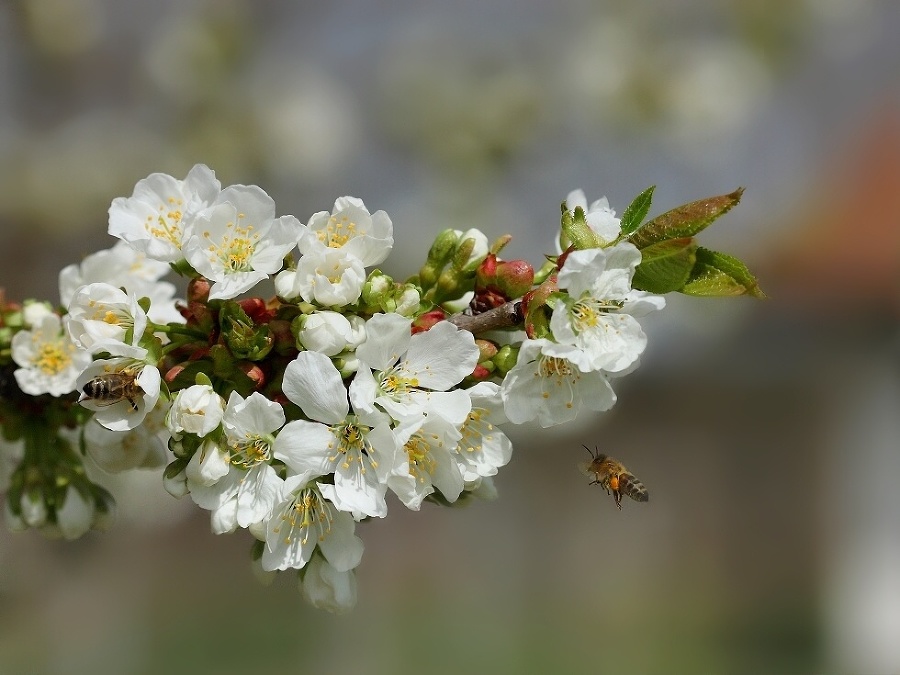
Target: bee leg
point(133, 404)
point(618, 497)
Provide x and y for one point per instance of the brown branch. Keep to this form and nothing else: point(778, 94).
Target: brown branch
point(505, 316)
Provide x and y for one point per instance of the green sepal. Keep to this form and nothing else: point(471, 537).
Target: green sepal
point(665, 266)
point(684, 221)
point(203, 380)
point(636, 212)
point(176, 467)
point(576, 230)
point(718, 274)
point(183, 268)
point(244, 338)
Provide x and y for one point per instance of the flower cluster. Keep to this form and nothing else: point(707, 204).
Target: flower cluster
point(295, 417)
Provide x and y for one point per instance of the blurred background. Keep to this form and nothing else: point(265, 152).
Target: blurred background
point(766, 432)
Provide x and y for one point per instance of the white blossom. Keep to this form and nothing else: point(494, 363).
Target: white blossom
point(429, 445)
point(208, 464)
point(548, 384)
point(361, 451)
point(124, 267)
point(351, 228)
point(116, 451)
point(596, 314)
point(33, 312)
point(410, 375)
point(303, 520)
point(483, 448)
point(237, 241)
point(103, 318)
point(235, 480)
point(49, 362)
point(329, 277)
point(154, 219)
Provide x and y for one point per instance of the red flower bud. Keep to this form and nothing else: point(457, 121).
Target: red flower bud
point(515, 278)
point(480, 373)
point(173, 372)
point(427, 320)
point(256, 309)
point(254, 372)
point(486, 274)
point(198, 290)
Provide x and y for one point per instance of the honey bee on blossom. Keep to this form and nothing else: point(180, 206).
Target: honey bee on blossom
point(613, 477)
point(110, 388)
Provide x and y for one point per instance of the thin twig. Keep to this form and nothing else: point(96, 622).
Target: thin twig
point(506, 315)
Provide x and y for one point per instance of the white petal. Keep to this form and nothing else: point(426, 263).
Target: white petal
point(313, 383)
point(363, 392)
point(259, 492)
point(442, 356)
point(306, 446)
point(387, 338)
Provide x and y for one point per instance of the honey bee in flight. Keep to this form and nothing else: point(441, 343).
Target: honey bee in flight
point(110, 388)
point(613, 477)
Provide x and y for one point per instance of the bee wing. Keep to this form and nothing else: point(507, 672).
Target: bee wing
point(585, 468)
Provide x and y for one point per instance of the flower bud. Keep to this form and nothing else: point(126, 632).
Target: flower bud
point(509, 278)
point(284, 285)
point(443, 248)
point(244, 337)
point(175, 479)
point(327, 332)
point(377, 285)
point(256, 374)
point(427, 320)
point(34, 507)
point(208, 465)
point(441, 251)
point(347, 365)
point(482, 371)
point(470, 251)
point(323, 586)
point(486, 349)
point(283, 339)
point(198, 290)
point(505, 360)
point(196, 410)
point(515, 278)
point(76, 515)
point(408, 300)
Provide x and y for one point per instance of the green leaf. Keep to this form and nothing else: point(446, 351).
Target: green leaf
point(718, 274)
point(686, 220)
point(636, 212)
point(665, 266)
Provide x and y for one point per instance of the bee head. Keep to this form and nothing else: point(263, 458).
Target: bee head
point(596, 455)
